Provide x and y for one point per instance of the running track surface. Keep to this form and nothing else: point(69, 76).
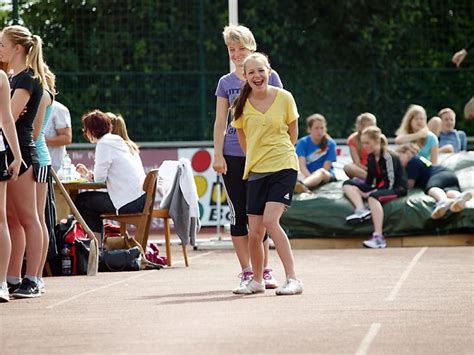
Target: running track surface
point(356, 301)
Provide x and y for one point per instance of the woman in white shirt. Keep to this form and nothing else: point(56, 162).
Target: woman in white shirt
point(116, 164)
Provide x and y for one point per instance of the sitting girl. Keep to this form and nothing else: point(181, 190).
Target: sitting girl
point(385, 181)
point(316, 153)
point(438, 181)
point(414, 129)
point(358, 167)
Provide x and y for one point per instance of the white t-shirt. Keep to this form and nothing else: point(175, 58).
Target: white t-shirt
point(60, 118)
point(120, 169)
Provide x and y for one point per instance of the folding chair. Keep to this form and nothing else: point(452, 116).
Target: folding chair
point(164, 213)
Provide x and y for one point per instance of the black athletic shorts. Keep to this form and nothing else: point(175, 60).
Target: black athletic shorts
point(4, 173)
point(41, 173)
point(382, 195)
point(274, 187)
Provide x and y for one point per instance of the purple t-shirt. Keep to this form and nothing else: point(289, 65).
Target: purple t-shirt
point(229, 87)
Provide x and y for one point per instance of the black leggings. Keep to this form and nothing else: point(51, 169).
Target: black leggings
point(236, 190)
point(91, 204)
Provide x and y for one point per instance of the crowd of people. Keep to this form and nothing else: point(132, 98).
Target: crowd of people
point(35, 130)
point(262, 164)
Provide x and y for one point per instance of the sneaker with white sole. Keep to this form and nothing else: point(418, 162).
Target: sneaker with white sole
point(441, 208)
point(270, 281)
point(290, 287)
point(250, 288)
point(376, 242)
point(4, 295)
point(460, 202)
point(27, 289)
point(245, 277)
point(359, 216)
point(41, 285)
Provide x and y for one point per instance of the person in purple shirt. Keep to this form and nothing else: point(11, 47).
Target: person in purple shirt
point(229, 159)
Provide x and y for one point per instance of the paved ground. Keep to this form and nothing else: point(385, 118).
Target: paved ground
point(356, 301)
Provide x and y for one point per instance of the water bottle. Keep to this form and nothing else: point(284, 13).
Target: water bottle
point(66, 260)
point(66, 168)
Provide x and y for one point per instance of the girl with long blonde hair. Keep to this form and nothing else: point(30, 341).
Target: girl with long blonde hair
point(22, 51)
point(414, 129)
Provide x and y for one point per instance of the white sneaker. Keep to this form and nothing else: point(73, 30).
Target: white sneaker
point(460, 202)
point(4, 295)
point(270, 281)
point(359, 216)
point(441, 208)
point(290, 287)
point(41, 285)
point(250, 288)
point(376, 242)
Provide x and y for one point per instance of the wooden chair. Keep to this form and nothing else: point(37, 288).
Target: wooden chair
point(141, 219)
point(164, 213)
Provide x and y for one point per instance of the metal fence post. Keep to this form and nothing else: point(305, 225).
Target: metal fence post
point(15, 11)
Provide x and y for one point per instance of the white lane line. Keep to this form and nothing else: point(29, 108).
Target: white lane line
point(117, 283)
point(398, 286)
point(369, 337)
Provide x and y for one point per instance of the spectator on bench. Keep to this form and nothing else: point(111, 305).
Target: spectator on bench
point(450, 139)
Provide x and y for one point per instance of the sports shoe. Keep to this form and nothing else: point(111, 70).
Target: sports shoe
point(460, 202)
point(270, 281)
point(245, 277)
point(250, 288)
point(4, 295)
point(290, 287)
point(41, 285)
point(359, 216)
point(13, 287)
point(441, 208)
point(27, 289)
point(377, 241)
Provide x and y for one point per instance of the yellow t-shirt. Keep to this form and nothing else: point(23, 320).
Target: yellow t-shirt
point(269, 147)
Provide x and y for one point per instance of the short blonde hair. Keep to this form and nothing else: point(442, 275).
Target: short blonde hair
point(365, 119)
point(446, 110)
point(241, 34)
point(469, 109)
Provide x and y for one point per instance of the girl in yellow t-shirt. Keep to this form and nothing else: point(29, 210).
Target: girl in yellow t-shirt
point(266, 121)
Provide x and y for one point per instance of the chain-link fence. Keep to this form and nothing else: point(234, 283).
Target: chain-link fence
point(158, 62)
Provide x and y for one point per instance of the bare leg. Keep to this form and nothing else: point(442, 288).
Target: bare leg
point(437, 193)
point(22, 195)
point(271, 220)
point(266, 250)
point(377, 215)
point(256, 235)
point(18, 241)
point(5, 244)
point(317, 178)
point(41, 194)
point(353, 194)
point(453, 194)
point(353, 170)
point(241, 246)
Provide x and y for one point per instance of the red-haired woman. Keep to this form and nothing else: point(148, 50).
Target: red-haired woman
point(115, 164)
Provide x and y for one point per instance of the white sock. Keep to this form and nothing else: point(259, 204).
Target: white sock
point(247, 269)
point(14, 280)
point(3, 285)
point(31, 278)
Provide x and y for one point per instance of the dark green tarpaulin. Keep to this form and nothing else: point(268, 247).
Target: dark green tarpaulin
point(324, 212)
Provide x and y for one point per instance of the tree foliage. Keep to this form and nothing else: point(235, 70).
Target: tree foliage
point(158, 62)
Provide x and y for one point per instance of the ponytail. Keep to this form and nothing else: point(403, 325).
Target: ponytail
point(34, 59)
point(33, 46)
point(239, 103)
